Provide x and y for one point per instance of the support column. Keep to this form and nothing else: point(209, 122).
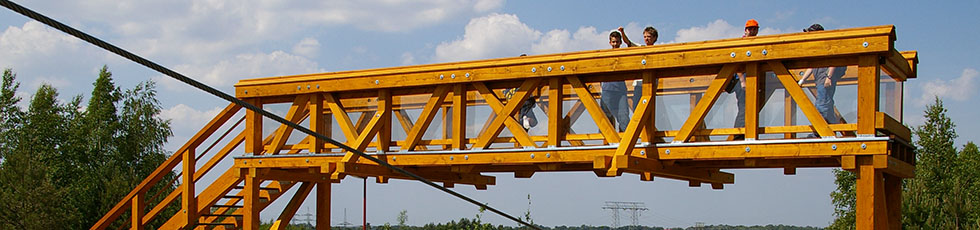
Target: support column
point(384, 107)
point(137, 215)
point(789, 114)
point(188, 196)
point(752, 104)
point(253, 129)
point(893, 200)
point(556, 132)
point(317, 122)
point(250, 206)
point(871, 211)
point(868, 83)
point(323, 205)
point(459, 117)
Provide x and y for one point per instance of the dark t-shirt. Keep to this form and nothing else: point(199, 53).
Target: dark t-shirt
point(821, 73)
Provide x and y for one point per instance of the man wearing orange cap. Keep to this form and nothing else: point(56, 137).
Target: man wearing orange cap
point(751, 30)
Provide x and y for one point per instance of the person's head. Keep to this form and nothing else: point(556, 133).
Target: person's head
point(615, 39)
point(814, 27)
point(751, 28)
point(650, 35)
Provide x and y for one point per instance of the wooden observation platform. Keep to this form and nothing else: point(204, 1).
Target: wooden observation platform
point(451, 123)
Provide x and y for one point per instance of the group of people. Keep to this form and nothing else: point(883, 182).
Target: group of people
point(616, 108)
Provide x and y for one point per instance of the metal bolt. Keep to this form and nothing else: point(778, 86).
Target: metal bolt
point(532, 156)
point(643, 152)
point(467, 74)
point(643, 62)
point(260, 161)
point(307, 86)
point(691, 80)
point(644, 101)
point(377, 115)
point(377, 82)
point(667, 151)
point(834, 147)
point(307, 160)
point(549, 68)
point(441, 76)
point(765, 52)
point(562, 68)
point(451, 158)
point(748, 53)
point(865, 44)
point(244, 162)
point(547, 155)
point(733, 54)
point(466, 157)
point(864, 146)
point(299, 87)
point(453, 76)
point(534, 69)
point(394, 158)
point(317, 86)
point(246, 91)
point(747, 149)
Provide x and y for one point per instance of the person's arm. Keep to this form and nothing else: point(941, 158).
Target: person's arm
point(805, 75)
point(830, 73)
point(626, 39)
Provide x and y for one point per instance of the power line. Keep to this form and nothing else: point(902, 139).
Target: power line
point(634, 208)
point(180, 77)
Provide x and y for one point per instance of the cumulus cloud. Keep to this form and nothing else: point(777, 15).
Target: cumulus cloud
point(243, 66)
point(408, 58)
point(718, 29)
point(185, 121)
point(959, 89)
point(504, 35)
point(308, 47)
point(24, 46)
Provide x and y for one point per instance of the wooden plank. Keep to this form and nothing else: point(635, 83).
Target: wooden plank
point(505, 114)
point(752, 105)
point(366, 136)
point(785, 46)
point(796, 92)
point(648, 89)
point(425, 119)
point(253, 129)
point(870, 210)
point(710, 96)
point(556, 129)
point(384, 131)
point(459, 117)
point(868, 83)
point(637, 123)
point(297, 111)
point(136, 215)
point(889, 125)
point(188, 199)
point(318, 123)
point(250, 203)
point(789, 114)
point(602, 122)
point(323, 201)
point(340, 114)
point(407, 124)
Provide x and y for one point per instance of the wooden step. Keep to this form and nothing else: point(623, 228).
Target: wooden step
point(226, 206)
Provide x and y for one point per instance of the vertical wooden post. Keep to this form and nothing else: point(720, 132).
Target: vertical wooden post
point(384, 107)
point(323, 205)
point(317, 122)
point(893, 200)
point(752, 104)
point(556, 132)
point(459, 117)
point(138, 206)
point(868, 82)
point(789, 114)
point(250, 204)
point(445, 126)
point(253, 129)
point(649, 88)
point(871, 211)
point(188, 196)
point(695, 98)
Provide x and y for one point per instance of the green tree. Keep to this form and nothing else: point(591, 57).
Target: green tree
point(844, 200)
point(933, 199)
point(402, 218)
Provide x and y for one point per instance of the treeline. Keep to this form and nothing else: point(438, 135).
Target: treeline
point(65, 164)
point(945, 193)
point(474, 224)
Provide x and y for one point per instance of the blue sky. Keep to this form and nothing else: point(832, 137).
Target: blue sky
point(220, 42)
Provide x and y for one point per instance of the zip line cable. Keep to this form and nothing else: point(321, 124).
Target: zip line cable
point(180, 77)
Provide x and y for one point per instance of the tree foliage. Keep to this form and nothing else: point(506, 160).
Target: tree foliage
point(945, 193)
point(63, 166)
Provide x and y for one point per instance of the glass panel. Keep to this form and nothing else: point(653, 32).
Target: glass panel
point(890, 98)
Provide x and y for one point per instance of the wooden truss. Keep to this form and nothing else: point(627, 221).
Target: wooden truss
point(409, 100)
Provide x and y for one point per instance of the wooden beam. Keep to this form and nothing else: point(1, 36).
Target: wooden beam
point(136, 216)
point(406, 124)
point(871, 211)
point(637, 123)
point(253, 129)
point(505, 114)
point(796, 92)
point(459, 117)
point(425, 119)
point(290, 210)
point(297, 112)
point(649, 89)
point(346, 126)
point(710, 96)
point(318, 122)
point(250, 203)
point(752, 105)
point(868, 83)
point(604, 124)
point(556, 130)
point(384, 131)
point(365, 138)
point(323, 205)
point(188, 195)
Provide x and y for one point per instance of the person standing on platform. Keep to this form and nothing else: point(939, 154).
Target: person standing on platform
point(751, 30)
point(614, 93)
point(825, 80)
point(649, 37)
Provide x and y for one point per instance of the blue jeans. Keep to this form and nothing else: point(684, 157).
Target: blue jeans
point(637, 93)
point(740, 100)
point(617, 110)
point(825, 100)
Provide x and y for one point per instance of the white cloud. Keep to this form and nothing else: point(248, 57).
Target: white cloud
point(718, 29)
point(185, 121)
point(26, 45)
point(487, 5)
point(504, 35)
point(250, 65)
point(308, 47)
point(408, 58)
point(959, 89)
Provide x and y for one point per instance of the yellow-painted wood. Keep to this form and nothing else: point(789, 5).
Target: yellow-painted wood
point(384, 131)
point(590, 104)
point(188, 199)
point(318, 123)
point(136, 215)
point(459, 117)
point(290, 210)
point(796, 92)
point(556, 129)
point(250, 201)
point(253, 129)
point(752, 100)
point(298, 111)
point(429, 112)
point(710, 96)
point(867, 96)
point(323, 201)
point(341, 115)
point(505, 114)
